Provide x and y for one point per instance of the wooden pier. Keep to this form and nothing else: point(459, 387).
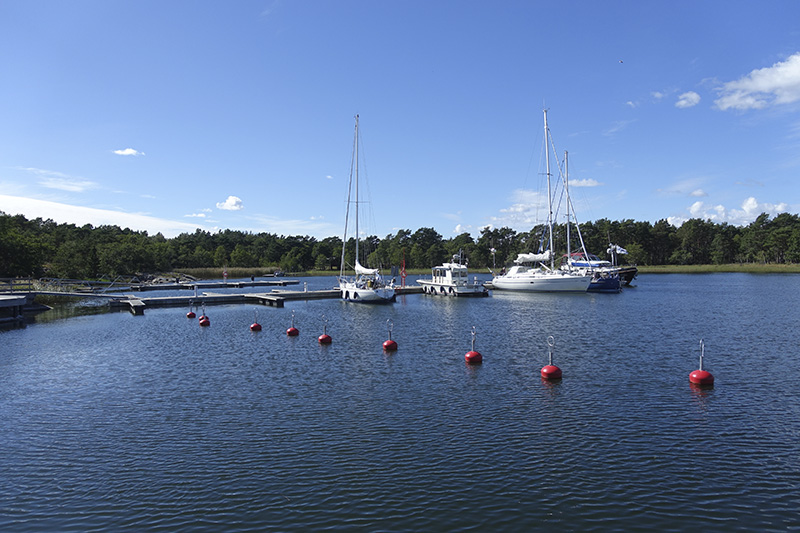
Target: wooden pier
point(276, 298)
point(11, 305)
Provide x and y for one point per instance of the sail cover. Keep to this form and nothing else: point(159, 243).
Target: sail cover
point(533, 258)
point(361, 271)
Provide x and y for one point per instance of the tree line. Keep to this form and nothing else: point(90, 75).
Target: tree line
point(37, 248)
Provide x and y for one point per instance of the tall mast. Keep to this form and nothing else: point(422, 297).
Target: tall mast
point(353, 162)
point(566, 189)
point(549, 197)
point(357, 207)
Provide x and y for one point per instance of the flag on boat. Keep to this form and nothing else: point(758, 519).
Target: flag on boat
point(616, 249)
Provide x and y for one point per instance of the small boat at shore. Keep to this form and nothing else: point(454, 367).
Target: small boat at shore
point(452, 279)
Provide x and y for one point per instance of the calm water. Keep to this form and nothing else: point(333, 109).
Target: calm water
point(110, 421)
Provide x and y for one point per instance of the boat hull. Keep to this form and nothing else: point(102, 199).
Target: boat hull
point(607, 284)
point(543, 282)
point(626, 274)
point(352, 292)
point(441, 289)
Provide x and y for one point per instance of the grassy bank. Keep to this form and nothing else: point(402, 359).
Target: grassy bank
point(753, 268)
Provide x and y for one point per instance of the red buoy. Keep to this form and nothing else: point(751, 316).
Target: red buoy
point(389, 345)
point(190, 314)
point(292, 331)
point(472, 357)
point(202, 317)
point(255, 326)
point(700, 376)
point(324, 338)
point(205, 321)
point(551, 371)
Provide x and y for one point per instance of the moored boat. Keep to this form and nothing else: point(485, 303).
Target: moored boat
point(367, 286)
point(452, 279)
point(524, 275)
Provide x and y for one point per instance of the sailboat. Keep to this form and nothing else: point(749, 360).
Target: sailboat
point(536, 272)
point(603, 280)
point(367, 285)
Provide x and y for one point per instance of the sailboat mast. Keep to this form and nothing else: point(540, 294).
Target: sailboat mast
point(356, 174)
point(549, 197)
point(566, 189)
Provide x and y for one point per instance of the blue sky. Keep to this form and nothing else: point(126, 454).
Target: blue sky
point(171, 116)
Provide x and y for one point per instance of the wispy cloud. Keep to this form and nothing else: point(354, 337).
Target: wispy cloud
point(58, 180)
point(687, 99)
point(775, 85)
point(80, 215)
point(617, 127)
point(128, 151)
point(684, 187)
point(584, 183)
point(232, 203)
point(196, 215)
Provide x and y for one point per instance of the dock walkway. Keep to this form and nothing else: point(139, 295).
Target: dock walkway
point(276, 298)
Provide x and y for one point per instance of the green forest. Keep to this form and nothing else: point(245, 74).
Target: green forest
point(39, 248)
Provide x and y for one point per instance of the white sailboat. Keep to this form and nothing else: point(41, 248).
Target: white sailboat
point(367, 286)
point(536, 272)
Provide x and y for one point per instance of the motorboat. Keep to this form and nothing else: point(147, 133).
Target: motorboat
point(452, 279)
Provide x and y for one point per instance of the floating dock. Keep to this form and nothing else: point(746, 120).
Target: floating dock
point(276, 298)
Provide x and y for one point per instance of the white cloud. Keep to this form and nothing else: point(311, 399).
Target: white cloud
point(658, 95)
point(528, 209)
point(698, 192)
point(632, 104)
point(749, 210)
point(80, 215)
point(196, 215)
point(775, 85)
point(584, 183)
point(687, 99)
point(232, 203)
point(329, 177)
point(128, 151)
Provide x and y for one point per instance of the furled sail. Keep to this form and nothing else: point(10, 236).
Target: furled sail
point(362, 271)
point(533, 258)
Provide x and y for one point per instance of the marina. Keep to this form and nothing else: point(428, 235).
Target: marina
point(151, 422)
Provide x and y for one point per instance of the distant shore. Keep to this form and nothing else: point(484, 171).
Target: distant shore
point(752, 268)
